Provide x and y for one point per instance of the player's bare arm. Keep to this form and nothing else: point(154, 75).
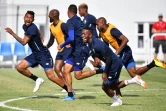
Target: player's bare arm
point(51, 41)
point(23, 41)
point(123, 44)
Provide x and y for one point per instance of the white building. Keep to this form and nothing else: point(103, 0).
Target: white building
point(132, 17)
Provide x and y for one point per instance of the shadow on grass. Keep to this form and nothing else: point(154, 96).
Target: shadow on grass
point(96, 85)
point(134, 95)
point(87, 97)
point(40, 97)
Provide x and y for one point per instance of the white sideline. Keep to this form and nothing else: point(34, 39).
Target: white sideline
point(2, 104)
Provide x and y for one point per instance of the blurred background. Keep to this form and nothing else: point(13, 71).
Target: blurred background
point(134, 18)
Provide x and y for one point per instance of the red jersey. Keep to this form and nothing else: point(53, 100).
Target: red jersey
point(160, 26)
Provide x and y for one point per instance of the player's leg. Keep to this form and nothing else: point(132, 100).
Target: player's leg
point(29, 61)
point(79, 65)
point(67, 69)
point(50, 74)
point(156, 46)
point(58, 69)
point(46, 62)
point(164, 50)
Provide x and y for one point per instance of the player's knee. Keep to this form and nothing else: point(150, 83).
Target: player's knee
point(78, 76)
point(50, 76)
point(19, 68)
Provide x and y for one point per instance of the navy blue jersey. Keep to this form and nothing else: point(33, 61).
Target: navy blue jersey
point(64, 30)
point(35, 42)
point(90, 21)
point(77, 25)
point(100, 47)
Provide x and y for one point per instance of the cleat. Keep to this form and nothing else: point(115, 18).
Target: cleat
point(117, 103)
point(73, 92)
point(63, 90)
point(39, 82)
point(139, 81)
point(68, 98)
point(159, 63)
point(103, 68)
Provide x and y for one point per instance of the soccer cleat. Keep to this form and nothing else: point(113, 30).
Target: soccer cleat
point(68, 98)
point(63, 90)
point(73, 92)
point(139, 81)
point(39, 82)
point(117, 103)
point(159, 63)
point(103, 68)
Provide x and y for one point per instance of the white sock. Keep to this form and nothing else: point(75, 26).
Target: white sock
point(130, 81)
point(115, 98)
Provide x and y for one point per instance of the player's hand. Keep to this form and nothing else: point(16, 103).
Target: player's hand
point(9, 31)
point(104, 77)
point(59, 47)
point(116, 53)
point(68, 46)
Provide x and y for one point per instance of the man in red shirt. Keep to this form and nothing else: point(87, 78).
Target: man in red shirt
point(159, 27)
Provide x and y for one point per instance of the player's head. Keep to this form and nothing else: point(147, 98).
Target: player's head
point(160, 16)
point(83, 9)
point(72, 10)
point(87, 34)
point(101, 23)
point(29, 18)
point(54, 16)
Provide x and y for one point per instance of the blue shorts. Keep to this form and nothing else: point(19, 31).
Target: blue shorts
point(79, 58)
point(127, 58)
point(114, 72)
point(64, 54)
point(43, 58)
point(115, 69)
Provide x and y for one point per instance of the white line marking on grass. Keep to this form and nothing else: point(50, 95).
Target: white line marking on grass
point(2, 104)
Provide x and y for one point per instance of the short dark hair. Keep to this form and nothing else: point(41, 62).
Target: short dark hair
point(83, 5)
point(31, 13)
point(73, 8)
point(89, 29)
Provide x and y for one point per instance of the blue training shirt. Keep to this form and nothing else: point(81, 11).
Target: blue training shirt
point(35, 42)
point(75, 25)
point(100, 47)
point(90, 21)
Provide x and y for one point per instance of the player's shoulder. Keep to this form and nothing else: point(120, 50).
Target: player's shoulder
point(91, 16)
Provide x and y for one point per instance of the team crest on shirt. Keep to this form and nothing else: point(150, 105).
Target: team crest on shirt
point(47, 63)
point(84, 21)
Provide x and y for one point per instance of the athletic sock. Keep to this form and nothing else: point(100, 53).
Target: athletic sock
point(99, 71)
point(65, 87)
point(70, 94)
point(151, 65)
point(33, 77)
point(130, 81)
point(115, 98)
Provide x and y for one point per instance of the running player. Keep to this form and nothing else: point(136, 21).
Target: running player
point(40, 54)
point(58, 31)
point(113, 67)
point(90, 21)
point(80, 52)
point(111, 35)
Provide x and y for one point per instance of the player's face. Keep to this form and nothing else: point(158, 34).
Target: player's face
point(51, 18)
point(86, 35)
point(81, 11)
point(100, 25)
point(28, 19)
